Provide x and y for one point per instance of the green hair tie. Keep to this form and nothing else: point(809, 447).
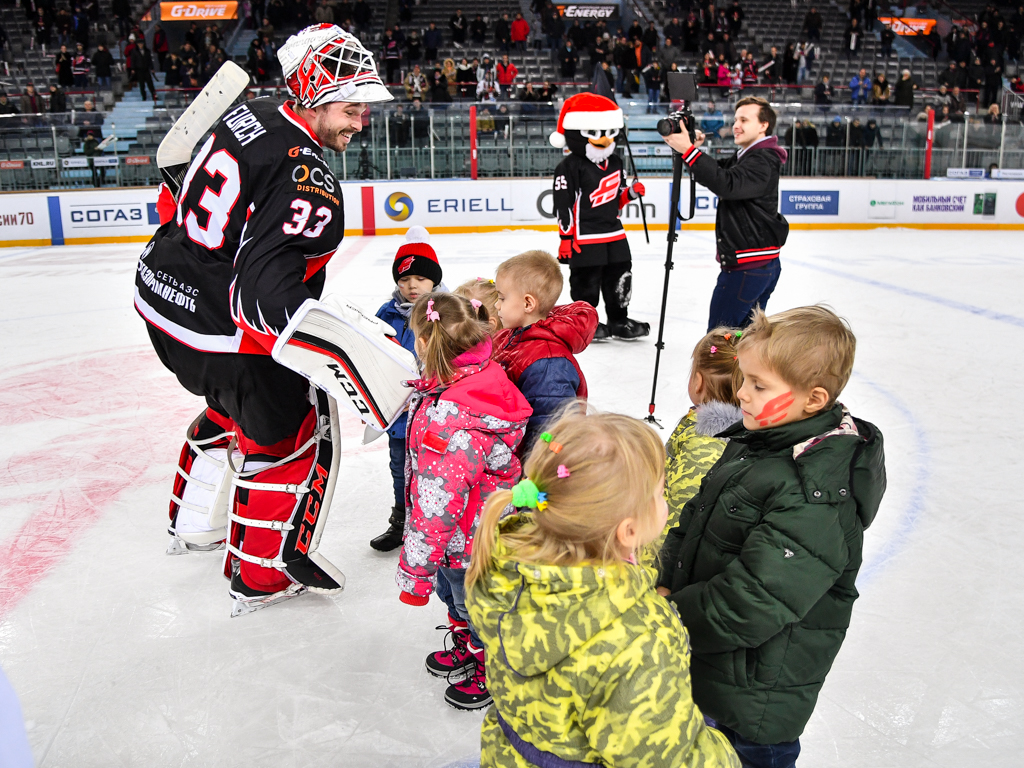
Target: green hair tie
point(525, 493)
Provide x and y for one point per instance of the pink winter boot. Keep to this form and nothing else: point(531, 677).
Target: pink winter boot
point(472, 692)
point(455, 663)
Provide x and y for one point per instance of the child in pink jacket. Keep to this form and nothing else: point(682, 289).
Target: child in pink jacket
point(465, 423)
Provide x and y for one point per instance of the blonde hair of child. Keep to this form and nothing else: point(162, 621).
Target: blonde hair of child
point(615, 463)
point(459, 327)
point(714, 358)
point(807, 347)
point(482, 290)
point(536, 273)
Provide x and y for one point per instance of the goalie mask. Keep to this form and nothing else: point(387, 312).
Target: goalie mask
point(323, 63)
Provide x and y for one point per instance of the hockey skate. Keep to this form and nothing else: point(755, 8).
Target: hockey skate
point(246, 599)
point(178, 546)
point(601, 334)
point(629, 330)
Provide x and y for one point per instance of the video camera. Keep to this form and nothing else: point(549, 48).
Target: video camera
point(682, 87)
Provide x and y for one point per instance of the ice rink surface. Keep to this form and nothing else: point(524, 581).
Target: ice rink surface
point(123, 656)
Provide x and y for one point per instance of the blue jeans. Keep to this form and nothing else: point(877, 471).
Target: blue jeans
point(753, 755)
point(451, 587)
point(396, 446)
point(738, 292)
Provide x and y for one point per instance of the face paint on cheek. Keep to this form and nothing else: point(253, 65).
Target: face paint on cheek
point(775, 410)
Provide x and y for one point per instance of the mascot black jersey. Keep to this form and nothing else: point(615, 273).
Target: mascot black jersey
point(258, 217)
point(588, 196)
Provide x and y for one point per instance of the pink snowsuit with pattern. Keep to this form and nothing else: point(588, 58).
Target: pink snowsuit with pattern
point(461, 446)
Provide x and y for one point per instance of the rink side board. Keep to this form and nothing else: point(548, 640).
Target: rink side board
point(462, 206)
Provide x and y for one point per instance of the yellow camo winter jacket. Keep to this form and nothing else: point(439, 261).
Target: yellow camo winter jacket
point(690, 452)
point(587, 663)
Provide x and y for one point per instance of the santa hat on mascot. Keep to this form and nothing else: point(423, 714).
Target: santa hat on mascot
point(586, 112)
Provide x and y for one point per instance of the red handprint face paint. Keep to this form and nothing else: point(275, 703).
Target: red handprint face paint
point(775, 410)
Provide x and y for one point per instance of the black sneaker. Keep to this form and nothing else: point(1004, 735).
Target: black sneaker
point(629, 329)
point(392, 537)
point(601, 334)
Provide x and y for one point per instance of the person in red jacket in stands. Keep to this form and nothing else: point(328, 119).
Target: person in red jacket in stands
point(520, 32)
point(507, 74)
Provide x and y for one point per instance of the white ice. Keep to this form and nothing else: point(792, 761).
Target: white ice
point(124, 656)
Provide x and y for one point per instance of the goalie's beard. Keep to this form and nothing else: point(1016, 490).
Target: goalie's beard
point(334, 123)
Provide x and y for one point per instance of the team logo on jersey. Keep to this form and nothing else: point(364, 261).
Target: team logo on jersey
point(606, 191)
point(406, 264)
point(398, 206)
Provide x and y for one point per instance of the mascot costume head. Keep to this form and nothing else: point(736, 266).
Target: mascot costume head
point(588, 125)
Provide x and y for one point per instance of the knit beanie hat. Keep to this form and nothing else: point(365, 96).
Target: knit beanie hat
point(417, 257)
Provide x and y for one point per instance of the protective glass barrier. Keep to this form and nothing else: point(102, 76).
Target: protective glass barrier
point(403, 140)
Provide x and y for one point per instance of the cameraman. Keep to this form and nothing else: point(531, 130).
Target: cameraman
point(749, 230)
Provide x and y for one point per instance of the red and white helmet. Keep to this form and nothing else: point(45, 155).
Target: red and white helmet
point(324, 63)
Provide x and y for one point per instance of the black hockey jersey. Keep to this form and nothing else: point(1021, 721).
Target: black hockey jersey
point(588, 197)
point(258, 217)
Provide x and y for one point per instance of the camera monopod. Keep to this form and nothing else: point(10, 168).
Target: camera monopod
point(681, 88)
point(636, 177)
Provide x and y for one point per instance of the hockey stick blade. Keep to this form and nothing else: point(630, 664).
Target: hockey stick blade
point(175, 151)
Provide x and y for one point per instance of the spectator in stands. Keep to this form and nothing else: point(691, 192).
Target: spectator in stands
point(941, 97)
point(506, 73)
point(323, 14)
point(529, 99)
point(392, 53)
point(993, 117)
point(691, 33)
point(415, 84)
point(362, 15)
point(58, 99)
point(478, 30)
point(142, 65)
point(771, 67)
point(852, 38)
point(669, 53)
point(993, 81)
point(804, 61)
point(789, 64)
point(465, 77)
point(80, 25)
point(503, 33)
point(723, 77)
point(635, 32)
point(432, 40)
point(173, 77)
point(42, 31)
point(944, 117)
point(975, 78)
point(486, 70)
point(31, 101)
point(880, 91)
point(651, 39)
point(904, 93)
point(860, 87)
point(553, 28)
point(951, 76)
point(888, 37)
point(872, 135)
point(957, 102)
point(652, 76)
point(80, 67)
point(160, 46)
point(823, 92)
point(62, 22)
point(568, 60)
point(102, 61)
point(457, 26)
point(449, 71)
point(439, 86)
point(6, 105)
point(813, 23)
point(520, 32)
point(122, 10)
point(712, 121)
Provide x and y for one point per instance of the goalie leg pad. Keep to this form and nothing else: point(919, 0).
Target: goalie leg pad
point(202, 486)
point(281, 505)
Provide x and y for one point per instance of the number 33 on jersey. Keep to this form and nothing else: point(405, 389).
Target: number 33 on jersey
point(258, 217)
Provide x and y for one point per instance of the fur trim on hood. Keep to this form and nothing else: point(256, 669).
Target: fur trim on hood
point(714, 417)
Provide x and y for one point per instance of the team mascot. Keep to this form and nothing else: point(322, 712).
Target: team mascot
point(589, 191)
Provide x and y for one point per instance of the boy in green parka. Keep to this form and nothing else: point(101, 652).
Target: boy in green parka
point(763, 563)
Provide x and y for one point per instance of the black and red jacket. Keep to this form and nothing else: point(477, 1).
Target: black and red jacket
point(258, 217)
point(749, 230)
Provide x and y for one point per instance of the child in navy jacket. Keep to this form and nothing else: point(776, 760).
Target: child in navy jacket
point(416, 272)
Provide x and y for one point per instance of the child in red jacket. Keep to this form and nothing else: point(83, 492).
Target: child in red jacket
point(465, 423)
point(540, 340)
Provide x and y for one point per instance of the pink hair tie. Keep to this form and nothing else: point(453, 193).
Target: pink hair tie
point(432, 314)
point(476, 303)
point(563, 471)
point(714, 349)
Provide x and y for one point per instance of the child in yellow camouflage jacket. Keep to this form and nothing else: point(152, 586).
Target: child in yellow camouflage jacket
point(585, 663)
point(693, 448)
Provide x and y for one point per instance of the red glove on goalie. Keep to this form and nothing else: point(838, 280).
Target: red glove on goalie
point(566, 247)
point(165, 205)
point(637, 190)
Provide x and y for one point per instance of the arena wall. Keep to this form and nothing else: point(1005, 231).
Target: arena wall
point(460, 206)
